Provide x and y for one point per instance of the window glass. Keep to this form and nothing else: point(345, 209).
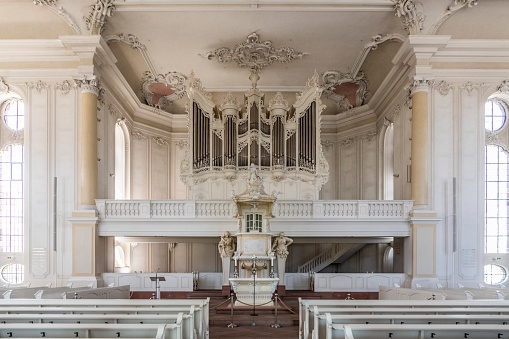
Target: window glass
point(13, 273)
point(14, 115)
point(11, 199)
point(494, 274)
point(496, 200)
point(495, 115)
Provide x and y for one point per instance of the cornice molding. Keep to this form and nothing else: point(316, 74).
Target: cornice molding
point(413, 18)
point(453, 8)
point(53, 5)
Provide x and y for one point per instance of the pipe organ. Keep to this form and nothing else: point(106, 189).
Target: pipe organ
point(283, 142)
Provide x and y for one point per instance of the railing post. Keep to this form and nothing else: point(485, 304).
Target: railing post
point(275, 325)
point(232, 324)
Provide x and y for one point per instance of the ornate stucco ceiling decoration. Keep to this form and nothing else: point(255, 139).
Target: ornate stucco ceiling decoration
point(413, 18)
point(53, 4)
point(255, 54)
point(161, 90)
point(453, 8)
point(96, 19)
point(346, 90)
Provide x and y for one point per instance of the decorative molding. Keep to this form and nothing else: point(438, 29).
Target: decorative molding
point(39, 85)
point(182, 144)
point(469, 87)
point(492, 137)
point(254, 54)
point(16, 137)
point(160, 142)
point(504, 87)
point(420, 86)
point(196, 84)
point(89, 85)
point(53, 5)
point(130, 39)
point(231, 101)
point(453, 8)
point(442, 87)
point(4, 88)
point(176, 80)
point(327, 143)
point(413, 19)
point(350, 140)
point(278, 102)
point(371, 46)
point(65, 87)
point(96, 19)
point(334, 78)
point(138, 135)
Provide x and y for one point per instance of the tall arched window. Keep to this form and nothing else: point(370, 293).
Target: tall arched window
point(120, 162)
point(388, 188)
point(496, 200)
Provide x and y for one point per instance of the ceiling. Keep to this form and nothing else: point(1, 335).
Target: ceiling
point(177, 34)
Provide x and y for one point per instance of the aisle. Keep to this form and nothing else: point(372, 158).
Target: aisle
point(219, 319)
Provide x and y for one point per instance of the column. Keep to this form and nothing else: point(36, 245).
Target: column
point(88, 167)
point(88, 260)
point(423, 221)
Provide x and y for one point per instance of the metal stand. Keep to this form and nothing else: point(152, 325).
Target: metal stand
point(253, 272)
point(231, 325)
point(275, 325)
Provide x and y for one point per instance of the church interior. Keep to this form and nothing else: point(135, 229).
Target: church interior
point(330, 146)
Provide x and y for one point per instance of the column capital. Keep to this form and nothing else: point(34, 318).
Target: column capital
point(89, 85)
point(420, 86)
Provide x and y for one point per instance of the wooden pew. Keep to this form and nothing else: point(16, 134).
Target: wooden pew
point(200, 314)
point(159, 331)
point(306, 322)
point(370, 331)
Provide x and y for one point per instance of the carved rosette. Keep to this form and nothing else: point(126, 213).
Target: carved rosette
point(254, 54)
point(413, 19)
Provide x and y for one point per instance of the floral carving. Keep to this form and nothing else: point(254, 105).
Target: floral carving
point(39, 85)
point(160, 142)
point(181, 144)
point(413, 19)
point(442, 87)
point(96, 19)
point(469, 87)
point(65, 87)
point(254, 54)
point(138, 135)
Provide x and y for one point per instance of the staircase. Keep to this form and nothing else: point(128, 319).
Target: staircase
point(329, 256)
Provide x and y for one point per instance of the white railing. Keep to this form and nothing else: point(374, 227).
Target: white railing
point(284, 209)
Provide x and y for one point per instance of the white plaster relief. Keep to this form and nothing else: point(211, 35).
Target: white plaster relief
point(334, 78)
point(160, 142)
point(470, 87)
point(4, 88)
point(133, 41)
point(504, 87)
point(39, 85)
point(182, 144)
point(65, 87)
point(138, 135)
point(53, 4)
point(254, 54)
point(442, 87)
point(420, 86)
point(96, 19)
point(89, 85)
point(453, 8)
point(413, 19)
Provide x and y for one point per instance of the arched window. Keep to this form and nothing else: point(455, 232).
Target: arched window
point(120, 162)
point(496, 200)
point(388, 188)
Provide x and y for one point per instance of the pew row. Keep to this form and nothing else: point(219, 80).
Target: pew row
point(378, 307)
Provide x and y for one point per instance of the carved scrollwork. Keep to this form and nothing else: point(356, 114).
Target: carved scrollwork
point(470, 87)
point(65, 87)
point(333, 78)
point(96, 19)
point(161, 90)
point(456, 6)
point(129, 39)
point(160, 142)
point(254, 54)
point(413, 19)
point(4, 88)
point(138, 135)
point(53, 4)
point(442, 87)
point(39, 85)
